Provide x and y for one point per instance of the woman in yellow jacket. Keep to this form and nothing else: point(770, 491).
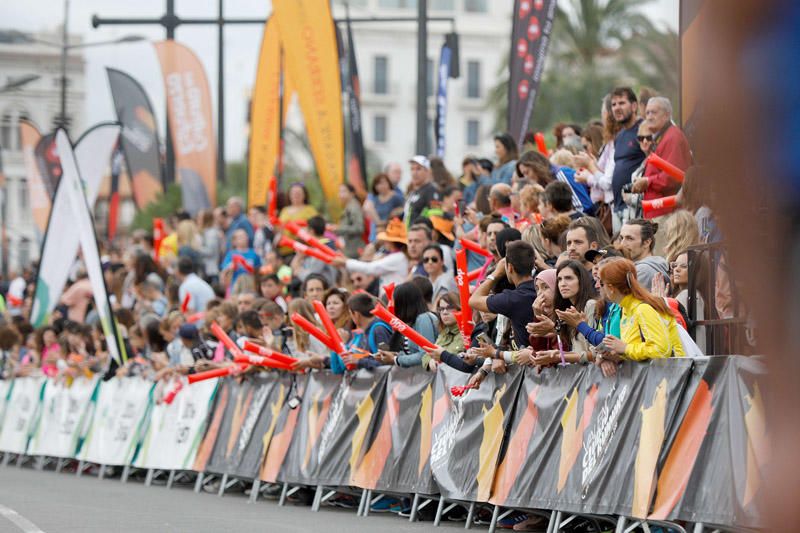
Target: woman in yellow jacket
point(648, 328)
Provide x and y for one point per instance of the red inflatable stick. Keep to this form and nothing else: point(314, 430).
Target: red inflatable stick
point(460, 390)
point(330, 327)
point(301, 321)
point(404, 329)
point(667, 167)
point(170, 396)
point(389, 290)
point(197, 317)
point(158, 236)
point(473, 246)
point(540, 144)
point(295, 229)
point(242, 262)
point(217, 373)
point(272, 208)
point(220, 334)
point(462, 281)
point(659, 206)
point(257, 360)
point(185, 303)
point(299, 247)
point(266, 352)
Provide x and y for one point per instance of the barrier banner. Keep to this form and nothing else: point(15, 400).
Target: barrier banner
point(240, 403)
point(5, 391)
point(139, 138)
point(302, 458)
point(279, 437)
point(190, 123)
point(309, 44)
point(39, 199)
point(468, 431)
point(714, 469)
point(175, 429)
point(397, 457)
point(93, 153)
point(256, 436)
point(530, 38)
point(22, 411)
point(65, 417)
point(119, 421)
point(265, 117)
point(80, 221)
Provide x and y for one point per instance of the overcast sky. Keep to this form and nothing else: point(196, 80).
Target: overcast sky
point(138, 59)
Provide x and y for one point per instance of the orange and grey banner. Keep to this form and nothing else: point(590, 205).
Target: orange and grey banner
point(265, 119)
point(40, 199)
point(191, 124)
point(139, 139)
point(308, 38)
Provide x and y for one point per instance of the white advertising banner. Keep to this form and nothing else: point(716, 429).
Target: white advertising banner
point(64, 419)
point(119, 422)
point(21, 414)
point(176, 429)
point(60, 245)
point(5, 389)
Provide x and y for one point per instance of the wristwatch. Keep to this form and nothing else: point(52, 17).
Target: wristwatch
point(491, 277)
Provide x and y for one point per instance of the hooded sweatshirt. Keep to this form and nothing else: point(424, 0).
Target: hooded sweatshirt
point(646, 268)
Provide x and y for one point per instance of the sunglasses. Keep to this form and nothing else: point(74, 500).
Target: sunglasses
point(445, 309)
point(643, 138)
point(430, 259)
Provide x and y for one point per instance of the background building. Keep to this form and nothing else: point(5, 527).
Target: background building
point(26, 56)
point(387, 64)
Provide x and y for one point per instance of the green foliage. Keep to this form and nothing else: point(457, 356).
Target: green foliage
point(596, 45)
point(165, 205)
point(235, 182)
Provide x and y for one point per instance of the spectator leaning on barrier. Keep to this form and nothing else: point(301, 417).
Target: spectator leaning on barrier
point(648, 329)
point(409, 307)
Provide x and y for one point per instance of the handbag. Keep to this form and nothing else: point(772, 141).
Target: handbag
point(602, 211)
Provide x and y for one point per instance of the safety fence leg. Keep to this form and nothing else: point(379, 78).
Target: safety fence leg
point(198, 484)
point(495, 516)
point(125, 473)
point(621, 521)
point(698, 528)
point(414, 506)
point(284, 493)
point(362, 501)
point(222, 485)
point(317, 499)
point(60, 465)
point(6, 458)
point(149, 479)
point(470, 515)
point(20, 460)
point(255, 489)
point(79, 471)
point(102, 472)
point(40, 463)
point(170, 479)
point(439, 511)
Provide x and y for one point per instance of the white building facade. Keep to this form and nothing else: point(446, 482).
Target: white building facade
point(38, 100)
point(387, 64)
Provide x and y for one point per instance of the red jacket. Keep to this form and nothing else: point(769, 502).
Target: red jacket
point(674, 148)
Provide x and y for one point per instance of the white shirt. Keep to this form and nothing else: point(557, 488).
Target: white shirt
point(392, 268)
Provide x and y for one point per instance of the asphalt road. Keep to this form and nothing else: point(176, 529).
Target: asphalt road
point(34, 501)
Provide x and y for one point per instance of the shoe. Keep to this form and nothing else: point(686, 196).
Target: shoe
point(512, 520)
point(532, 523)
point(483, 517)
point(212, 488)
point(456, 514)
point(401, 506)
point(386, 505)
point(272, 491)
point(345, 501)
point(304, 496)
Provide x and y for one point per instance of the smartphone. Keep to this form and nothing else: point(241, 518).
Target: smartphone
point(383, 347)
point(460, 208)
point(484, 338)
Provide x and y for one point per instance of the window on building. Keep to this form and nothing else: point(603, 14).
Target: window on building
point(24, 251)
point(442, 5)
point(473, 79)
point(22, 193)
point(381, 81)
point(398, 4)
point(6, 131)
point(473, 132)
point(475, 6)
point(379, 129)
point(432, 77)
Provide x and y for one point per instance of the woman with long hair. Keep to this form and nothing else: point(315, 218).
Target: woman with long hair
point(679, 277)
point(439, 275)
point(335, 302)
point(410, 307)
point(681, 232)
point(647, 328)
point(575, 292)
point(441, 176)
point(450, 339)
point(384, 201)
point(303, 344)
point(535, 167)
point(298, 208)
point(505, 148)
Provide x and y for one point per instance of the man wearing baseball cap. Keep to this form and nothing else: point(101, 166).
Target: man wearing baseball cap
point(421, 191)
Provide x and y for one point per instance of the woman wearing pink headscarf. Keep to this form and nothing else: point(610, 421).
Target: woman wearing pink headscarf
point(542, 332)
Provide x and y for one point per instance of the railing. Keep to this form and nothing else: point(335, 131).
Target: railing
point(723, 334)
